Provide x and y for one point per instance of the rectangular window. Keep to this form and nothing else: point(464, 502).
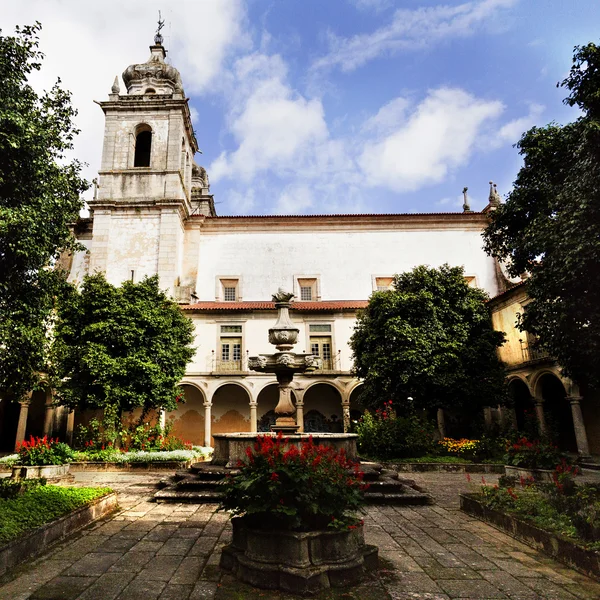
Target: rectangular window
point(307, 289)
point(471, 281)
point(229, 294)
point(321, 347)
point(229, 290)
point(305, 293)
point(231, 329)
point(319, 328)
point(383, 284)
point(230, 354)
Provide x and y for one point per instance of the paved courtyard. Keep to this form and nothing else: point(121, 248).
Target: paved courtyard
point(149, 551)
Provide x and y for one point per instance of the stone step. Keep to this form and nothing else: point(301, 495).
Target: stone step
point(190, 497)
point(388, 486)
point(414, 498)
point(210, 472)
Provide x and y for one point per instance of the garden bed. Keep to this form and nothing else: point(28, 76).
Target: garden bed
point(555, 545)
point(31, 522)
point(157, 465)
point(445, 467)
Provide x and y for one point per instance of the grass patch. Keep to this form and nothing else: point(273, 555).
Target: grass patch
point(41, 505)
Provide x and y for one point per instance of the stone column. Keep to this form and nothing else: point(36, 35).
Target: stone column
point(207, 423)
point(49, 415)
point(70, 425)
point(162, 419)
point(539, 411)
point(583, 447)
point(487, 417)
point(253, 416)
point(346, 416)
point(441, 422)
point(22, 425)
point(300, 413)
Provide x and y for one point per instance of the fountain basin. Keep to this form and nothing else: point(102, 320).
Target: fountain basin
point(231, 447)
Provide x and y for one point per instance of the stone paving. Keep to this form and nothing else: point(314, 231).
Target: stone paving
point(150, 551)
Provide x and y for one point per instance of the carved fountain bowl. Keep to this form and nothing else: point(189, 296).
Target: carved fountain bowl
point(283, 337)
point(284, 362)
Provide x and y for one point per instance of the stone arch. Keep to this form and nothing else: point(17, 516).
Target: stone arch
point(231, 408)
point(356, 406)
point(143, 145)
point(323, 408)
point(523, 402)
point(189, 418)
point(557, 409)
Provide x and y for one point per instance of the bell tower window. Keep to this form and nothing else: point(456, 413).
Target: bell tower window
point(143, 147)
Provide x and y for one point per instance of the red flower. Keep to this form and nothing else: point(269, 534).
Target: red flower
point(274, 476)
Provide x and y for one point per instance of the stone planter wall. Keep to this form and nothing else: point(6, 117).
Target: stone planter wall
point(542, 475)
point(165, 465)
point(446, 467)
point(35, 542)
point(298, 562)
point(45, 471)
point(553, 544)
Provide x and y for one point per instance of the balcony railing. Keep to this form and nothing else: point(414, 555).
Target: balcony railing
point(218, 365)
point(330, 364)
point(532, 352)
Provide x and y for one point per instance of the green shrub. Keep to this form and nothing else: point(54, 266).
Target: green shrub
point(484, 449)
point(536, 454)
point(384, 435)
point(141, 436)
point(43, 451)
point(282, 487)
point(41, 505)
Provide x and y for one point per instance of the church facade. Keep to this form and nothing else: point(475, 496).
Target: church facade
point(153, 213)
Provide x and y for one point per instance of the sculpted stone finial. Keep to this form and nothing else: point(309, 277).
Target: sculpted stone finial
point(466, 207)
point(494, 198)
point(282, 296)
point(115, 89)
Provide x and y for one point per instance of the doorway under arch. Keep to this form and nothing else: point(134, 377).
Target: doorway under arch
point(557, 410)
point(230, 409)
point(188, 419)
point(524, 405)
point(323, 409)
point(357, 408)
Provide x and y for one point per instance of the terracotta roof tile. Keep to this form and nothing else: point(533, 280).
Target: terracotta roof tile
point(265, 305)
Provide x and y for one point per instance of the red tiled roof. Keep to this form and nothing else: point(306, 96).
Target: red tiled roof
point(263, 305)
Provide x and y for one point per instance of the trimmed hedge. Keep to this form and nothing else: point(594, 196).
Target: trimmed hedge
point(41, 505)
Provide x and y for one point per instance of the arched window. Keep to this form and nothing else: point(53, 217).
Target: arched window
point(143, 146)
point(150, 91)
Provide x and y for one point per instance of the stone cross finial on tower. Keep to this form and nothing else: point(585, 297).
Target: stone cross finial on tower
point(115, 89)
point(158, 38)
point(466, 207)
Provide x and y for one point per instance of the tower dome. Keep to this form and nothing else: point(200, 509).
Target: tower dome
point(154, 76)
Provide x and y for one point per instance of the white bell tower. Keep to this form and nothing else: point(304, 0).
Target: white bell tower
point(145, 179)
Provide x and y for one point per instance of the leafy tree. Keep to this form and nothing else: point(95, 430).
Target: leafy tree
point(549, 227)
point(39, 197)
point(119, 348)
point(430, 338)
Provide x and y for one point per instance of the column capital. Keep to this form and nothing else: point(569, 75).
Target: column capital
point(207, 404)
point(299, 402)
point(253, 403)
point(574, 399)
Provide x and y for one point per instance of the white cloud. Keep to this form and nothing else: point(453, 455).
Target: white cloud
point(511, 132)
point(411, 30)
point(375, 5)
point(88, 43)
point(274, 126)
point(440, 134)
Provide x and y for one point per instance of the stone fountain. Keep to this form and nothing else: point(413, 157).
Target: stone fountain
point(284, 364)
point(201, 482)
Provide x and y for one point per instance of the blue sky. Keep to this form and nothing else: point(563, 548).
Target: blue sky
point(338, 105)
